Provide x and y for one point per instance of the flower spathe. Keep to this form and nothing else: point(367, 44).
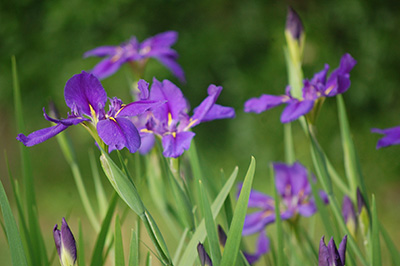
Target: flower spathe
point(330, 255)
point(86, 98)
point(65, 244)
point(158, 47)
point(171, 121)
point(319, 87)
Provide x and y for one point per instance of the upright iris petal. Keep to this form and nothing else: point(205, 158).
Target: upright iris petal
point(171, 120)
point(86, 97)
point(65, 244)
point(158, 47)
point(318, 87)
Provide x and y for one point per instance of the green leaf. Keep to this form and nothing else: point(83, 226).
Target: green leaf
point(118, 244)
point(376, 246)
point(190, 254)
point(180, 246)
point(81, 246)
point(18, 257)
point(100, 194)
point(231, 249)
point(394, 253)
point(134, 250)
point(210, 227)
point(148, 259)
point(97, 257)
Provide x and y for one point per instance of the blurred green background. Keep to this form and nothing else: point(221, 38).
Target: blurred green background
point(235, 44)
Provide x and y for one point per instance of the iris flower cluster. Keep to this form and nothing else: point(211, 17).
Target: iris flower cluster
point(133, 51)
point(318, 88)
point(294, 190)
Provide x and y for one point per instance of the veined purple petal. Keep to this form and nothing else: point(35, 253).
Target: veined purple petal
point(174, 146)
point(68, 240)
point(347, 63)
point(307, 209)
point(264, 102)
point(256, 221)
point(148, 141)
point(71, 120)
point(392, 136)
point(118, 133)
point(138, 107)
point(41, 135)
point(218, 112)
point(261, 248)
point(107, 67)
point(85, 90)
point(101, 51)
point(295, 109)
point(258, 199)
point(164, 39)
point(201, 111)
point(176, 102)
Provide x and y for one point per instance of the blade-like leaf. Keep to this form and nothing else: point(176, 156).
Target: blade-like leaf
point(14, 239)
point(231, 249)
point(375, 241)
point(210, 227)
point(118, 245)
point(97, 257)
point(81, 246)
point(281, 259)
point(134, 250)
point(190, 254)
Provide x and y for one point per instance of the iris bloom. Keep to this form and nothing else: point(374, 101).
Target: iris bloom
point(329, 255)
point(171, 121)
point(392, 136)
point(158, 47)
point(296, 198)
point(87, 98)
point(65, 244)
point(319, 87)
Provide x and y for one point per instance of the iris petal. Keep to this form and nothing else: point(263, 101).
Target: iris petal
point(41, 135)
point(174, 146)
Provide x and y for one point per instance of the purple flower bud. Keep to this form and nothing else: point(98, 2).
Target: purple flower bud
point(204, 258)
point(65, 244)
point(349, 215)
point(329, 255)
point(360, 201)
point(294, 24)
point(221, 236)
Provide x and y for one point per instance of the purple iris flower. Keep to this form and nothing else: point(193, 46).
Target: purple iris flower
point(65, 244)
point(158, 47)
point(87, 98)
point(318, 87)
point(171, 121)
point(329, 255)
point(296, 198)
point(392, 136)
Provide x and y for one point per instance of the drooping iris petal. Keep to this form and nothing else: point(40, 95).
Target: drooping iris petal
point(147, 143)
point(172, 65)
point(164, 39)
point(260, 200)
point(107, 67)
point(392, 136)
point(307, 209)
point(85, 90)
point(264, 103)
point(200, 111)
point(262, 248)
point(70, 121)
point(138, 107)
point(174, 146)
point(101, 51)
point(218, 112)
point(295, 109)
point(118, 133)
point(41, 135)
point(256, 221)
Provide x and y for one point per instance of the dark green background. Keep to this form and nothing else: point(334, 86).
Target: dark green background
point(235, 44)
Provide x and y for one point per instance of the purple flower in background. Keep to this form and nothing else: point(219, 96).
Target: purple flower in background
point(171, 121)
point(158, 47)
point(296, 198)
point(318, 87)
point(349, 215)
point(392, 136)
point(87, 98)
point(329, 255)
point(65, 244)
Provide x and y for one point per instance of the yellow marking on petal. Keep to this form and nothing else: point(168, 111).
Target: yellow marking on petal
point(329, 90)
point(113, 119)
point(122, 107)
point(191, 122)
point(145, 50)
point(117, 56)
point(93, 114)
point(174, 134)
point(145, 130)
point(169, 119)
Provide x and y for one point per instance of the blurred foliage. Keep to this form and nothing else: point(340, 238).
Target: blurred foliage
point(236, 44)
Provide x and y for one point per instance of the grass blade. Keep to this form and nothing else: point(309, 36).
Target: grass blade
point(118, 244)
point(18, 257)
point(190, 254)
point(231, 249)
point(375, 241)
point(281, 259)
point(134, 250)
